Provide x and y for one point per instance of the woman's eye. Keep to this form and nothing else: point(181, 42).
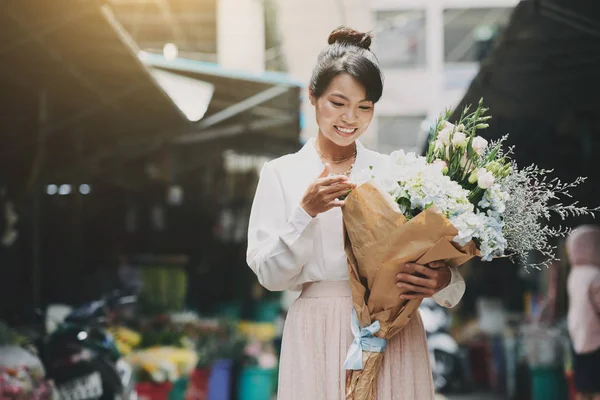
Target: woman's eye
point(336, 104)
point(365, 108)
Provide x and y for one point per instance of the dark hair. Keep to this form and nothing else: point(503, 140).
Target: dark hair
point(348, 52)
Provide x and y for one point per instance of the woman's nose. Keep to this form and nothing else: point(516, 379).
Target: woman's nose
point(349, 116)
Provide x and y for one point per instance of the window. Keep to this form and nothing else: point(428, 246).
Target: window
point(400, 38)
point(469, 34)
point(399, 132)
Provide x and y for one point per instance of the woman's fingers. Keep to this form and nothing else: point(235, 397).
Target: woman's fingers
point(416, 280)
point(437, 264)
point(416, 288)
point(413, 269)
point(334, 195)
point(331, 180)
point(334, 203)
point(338, 187)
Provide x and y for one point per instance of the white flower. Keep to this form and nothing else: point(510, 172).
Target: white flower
point(440, 165)
point(486, 228)
point(493, 242)
point(469, 225)
point(479, 145)
point(485, 179)
point(444, 134)
point(448, 125)
point(417, 185)
point(494, 199)
point(459, 139)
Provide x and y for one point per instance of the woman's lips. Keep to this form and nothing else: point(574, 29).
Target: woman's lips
point(344, 130)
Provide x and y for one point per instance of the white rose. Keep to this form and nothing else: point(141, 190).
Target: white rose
point(485, 179)
point(479, 145)
point(438, 145)
point(459, 139)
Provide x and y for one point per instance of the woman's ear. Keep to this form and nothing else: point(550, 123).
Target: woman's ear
point(311, 97)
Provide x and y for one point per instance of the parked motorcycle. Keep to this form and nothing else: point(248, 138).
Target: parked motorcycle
point(81, 356)
point(447, 364)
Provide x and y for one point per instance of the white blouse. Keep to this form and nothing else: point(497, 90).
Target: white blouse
point(287, 247)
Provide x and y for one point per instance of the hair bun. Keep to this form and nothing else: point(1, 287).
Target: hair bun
point(350, 36)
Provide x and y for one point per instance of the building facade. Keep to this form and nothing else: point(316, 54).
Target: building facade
point(429, 51)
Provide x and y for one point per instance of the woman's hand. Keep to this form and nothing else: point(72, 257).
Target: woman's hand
point(322, 195)
point(421, 281)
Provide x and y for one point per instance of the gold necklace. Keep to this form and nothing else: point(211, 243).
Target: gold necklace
point(347, 172)
point(333, 160)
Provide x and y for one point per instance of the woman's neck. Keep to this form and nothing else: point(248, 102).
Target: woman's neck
point(332, 151)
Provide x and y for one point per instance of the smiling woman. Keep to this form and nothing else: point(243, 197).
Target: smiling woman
point(344, 87)
point(296, 238)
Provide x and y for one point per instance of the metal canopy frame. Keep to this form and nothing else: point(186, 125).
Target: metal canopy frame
point(244, 105)
point(232, 130)
point(257, 108)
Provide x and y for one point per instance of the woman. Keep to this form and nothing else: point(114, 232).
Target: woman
point(295, 238)
point(583, 248)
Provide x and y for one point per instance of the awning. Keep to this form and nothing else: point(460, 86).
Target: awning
point(259, 113)
point(75, 98)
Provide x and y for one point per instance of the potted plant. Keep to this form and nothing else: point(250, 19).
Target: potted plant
point(259, 370)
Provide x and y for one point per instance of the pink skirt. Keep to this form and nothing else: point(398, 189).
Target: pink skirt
point(317, 336)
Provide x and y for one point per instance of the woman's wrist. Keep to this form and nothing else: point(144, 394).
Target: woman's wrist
point(308, 210)
point(445, 285)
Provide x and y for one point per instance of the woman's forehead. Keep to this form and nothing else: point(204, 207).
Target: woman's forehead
point(348, 87)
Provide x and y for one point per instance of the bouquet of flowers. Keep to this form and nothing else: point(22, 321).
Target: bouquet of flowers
point(465, 198)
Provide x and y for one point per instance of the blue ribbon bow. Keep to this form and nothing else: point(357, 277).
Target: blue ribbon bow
point(364, 340)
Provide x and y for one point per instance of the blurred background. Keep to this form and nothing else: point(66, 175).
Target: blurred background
point(132, 133)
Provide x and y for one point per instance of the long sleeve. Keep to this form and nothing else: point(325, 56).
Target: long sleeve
point(278, 246)
point(451, 295)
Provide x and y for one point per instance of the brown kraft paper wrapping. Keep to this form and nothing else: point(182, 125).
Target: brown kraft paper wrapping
point(378, 241)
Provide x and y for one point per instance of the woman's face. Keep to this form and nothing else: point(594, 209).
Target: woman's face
point(343, 112)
